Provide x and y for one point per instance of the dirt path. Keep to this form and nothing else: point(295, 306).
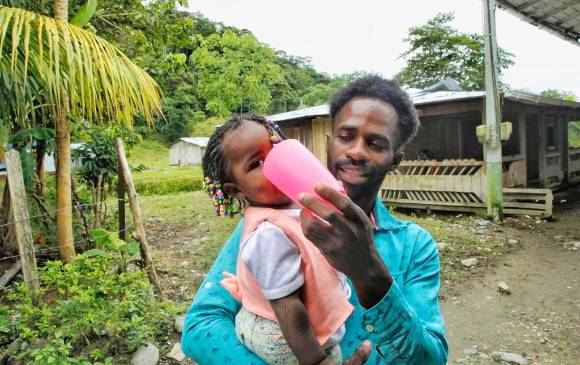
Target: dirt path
point(541, 318)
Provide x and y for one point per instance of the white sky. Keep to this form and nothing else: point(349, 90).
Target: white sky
point(343, 36)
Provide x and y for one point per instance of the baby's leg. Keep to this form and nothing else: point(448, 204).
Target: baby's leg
point(264, 337)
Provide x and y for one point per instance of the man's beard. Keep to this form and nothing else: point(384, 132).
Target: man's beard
point(373, 178)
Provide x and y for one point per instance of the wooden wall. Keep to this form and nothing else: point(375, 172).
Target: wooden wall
point(321, 127)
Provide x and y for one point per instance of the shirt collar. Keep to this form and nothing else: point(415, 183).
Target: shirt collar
point(382, 219)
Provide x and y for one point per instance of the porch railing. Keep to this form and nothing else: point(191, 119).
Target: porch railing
point(460, 185)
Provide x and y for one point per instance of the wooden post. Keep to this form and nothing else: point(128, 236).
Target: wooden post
point(22, 222)
point(121, 205)
point(137, 218)
point(523, 142)
point(493, 157)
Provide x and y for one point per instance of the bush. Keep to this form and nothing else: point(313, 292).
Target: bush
point(175, 185)
point(88, 312)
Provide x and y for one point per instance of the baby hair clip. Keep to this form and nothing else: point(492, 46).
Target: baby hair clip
point(275, 138)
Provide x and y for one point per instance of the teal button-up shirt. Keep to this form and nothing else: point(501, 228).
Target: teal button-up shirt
point(405, 327)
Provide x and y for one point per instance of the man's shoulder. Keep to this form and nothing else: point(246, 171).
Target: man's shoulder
point(416, 228)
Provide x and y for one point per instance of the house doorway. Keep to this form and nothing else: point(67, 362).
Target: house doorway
point(532, 148)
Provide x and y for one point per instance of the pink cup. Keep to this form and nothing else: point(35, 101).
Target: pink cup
point(293, 169)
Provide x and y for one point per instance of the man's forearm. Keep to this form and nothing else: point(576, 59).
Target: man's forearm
point(373, 284)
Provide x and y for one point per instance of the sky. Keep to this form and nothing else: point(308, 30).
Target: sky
point(343, 36)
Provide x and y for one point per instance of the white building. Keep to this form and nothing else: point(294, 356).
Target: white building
point(187, 151)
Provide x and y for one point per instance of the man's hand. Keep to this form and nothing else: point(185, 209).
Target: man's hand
point(345, 238)
point(359, 357)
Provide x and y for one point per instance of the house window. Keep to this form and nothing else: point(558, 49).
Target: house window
point(550, 137)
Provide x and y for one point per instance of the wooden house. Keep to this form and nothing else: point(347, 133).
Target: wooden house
point(187, 151)
point(444, 167)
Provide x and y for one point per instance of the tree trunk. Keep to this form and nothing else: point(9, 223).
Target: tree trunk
point(64, 229)
point(61, 10)
point(40, 152)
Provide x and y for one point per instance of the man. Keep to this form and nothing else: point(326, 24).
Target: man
point(393, 266)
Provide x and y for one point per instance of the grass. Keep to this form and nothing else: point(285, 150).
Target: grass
point(153, 153)
point(459, 234)
point(193, 211)
point(192, 217)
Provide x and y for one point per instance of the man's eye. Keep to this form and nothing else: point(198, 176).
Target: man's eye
point(377, 145)
point(344, 137)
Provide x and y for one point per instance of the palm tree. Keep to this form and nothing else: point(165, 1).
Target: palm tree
point(67, 72)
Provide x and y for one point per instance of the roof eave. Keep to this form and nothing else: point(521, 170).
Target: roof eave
point(559, 32)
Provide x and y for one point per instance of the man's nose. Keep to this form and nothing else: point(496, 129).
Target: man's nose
point(357, 151)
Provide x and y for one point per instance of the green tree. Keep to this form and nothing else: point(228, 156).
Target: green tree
point(300, 77)
point(235, 73)
point(559, 94)
point(321, 93)
point(436, 50)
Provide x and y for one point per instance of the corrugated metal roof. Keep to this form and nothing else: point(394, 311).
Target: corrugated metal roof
point(537, 99)
point(559, 17)
point(199, 141)
point(313, 111)
point(424, 98)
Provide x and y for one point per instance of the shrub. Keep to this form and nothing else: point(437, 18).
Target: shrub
point(88, 312)
point(168, 186)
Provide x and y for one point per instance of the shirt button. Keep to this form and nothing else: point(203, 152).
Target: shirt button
point(370, 328)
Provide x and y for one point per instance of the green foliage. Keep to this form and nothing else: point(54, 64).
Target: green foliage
point(164, 186)
point(111, 242)
point(322, 93)
point(559, 94)
point(436, 50)
point(98, 155)
point(300, 77)
point(182, 108)
point(24, 135)
point(42, 58)
point(574, 134)
point(23, 140)
point(235, 73)
point(85, 13)
point(88, 313)
point(201, 126)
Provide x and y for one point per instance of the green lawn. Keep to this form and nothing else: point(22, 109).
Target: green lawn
point(153, 153)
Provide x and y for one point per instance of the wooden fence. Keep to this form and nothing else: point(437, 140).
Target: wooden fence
point(19, 223)
point(460, 185)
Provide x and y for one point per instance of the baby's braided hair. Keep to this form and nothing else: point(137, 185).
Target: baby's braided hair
point(214, 161)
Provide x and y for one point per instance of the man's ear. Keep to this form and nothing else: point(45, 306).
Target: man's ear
point(398, 158)
point(232, 190)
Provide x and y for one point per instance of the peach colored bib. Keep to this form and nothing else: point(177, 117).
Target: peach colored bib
point(325, 304)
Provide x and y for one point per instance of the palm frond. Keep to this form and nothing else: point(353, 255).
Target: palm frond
point(42, 59)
